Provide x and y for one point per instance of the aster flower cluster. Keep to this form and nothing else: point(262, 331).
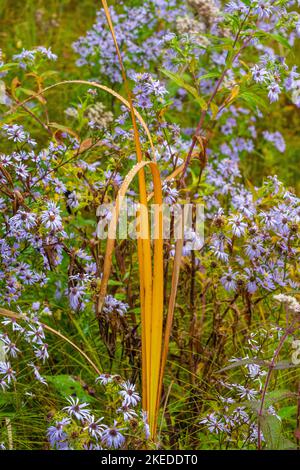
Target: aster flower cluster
point(276, 139)
point(113, 305)
point(273, 73)
point(77, 427)
point(189, 36)
point(27, 58)
point(34, 223)
point(146, 90)
point(97, 47)
point(170, 192)
point(235, 419)
point(17, 337)
point(229, 425)
point(252, 229)
point(17, 134)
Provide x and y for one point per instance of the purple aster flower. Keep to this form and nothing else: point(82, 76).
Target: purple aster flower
point(3, 385)
point(274, 92)
point(228, 281)
point(146, 424)
point(51, 217)
point(254, 434)
point(128, 413)
point(104, 379)
point(245, 392)
point(75, 296)
point(112, 437)
point(265, 278)
point(155, 87)
point(95, 429)
point(35, 334)
point(9, 347)
point(47, 52)
point(80, 253)
point(237, 224)
point(240, 415)
point(72, 200)
point(60, 187)
point(14, 324)
point(56, 433)
point(22, 171)
point(268, 219)
point(114, 177)
point(254, 249)
point(236, 6)
point(250, 278)
point(37, 374)
point(42, 352)
point(259, 74)
point(263, 10)
point(218, 247)
point(213, 423)
point(15, 132)
point(25, 57)
point(36, 306)
point(22, 219)
point(276, 138)
point(291, 81)
point(170, 194)
point(76, 409)
point(228, 127)
point(8, 373)
point(129, 395)
point(113, 305)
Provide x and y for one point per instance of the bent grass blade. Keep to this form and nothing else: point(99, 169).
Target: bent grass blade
point(152, 324)
point(101, 87)
point(8, 313)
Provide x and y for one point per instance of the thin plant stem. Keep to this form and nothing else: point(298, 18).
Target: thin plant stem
point(287, 332)
point(10, 314)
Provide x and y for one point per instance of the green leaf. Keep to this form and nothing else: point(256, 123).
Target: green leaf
point(288, 411)
point(209, 75)
point(244, 362)
point(285, 365)
point(278, 395)
point(112, 282)
point(67, 385)
point(8, 66)
point(272, 432)
point(48, 73)
point(84, 220)
point(282, 40)
point(253, 100)
point(62, 128)
point(275, 37)
point(181, 83)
